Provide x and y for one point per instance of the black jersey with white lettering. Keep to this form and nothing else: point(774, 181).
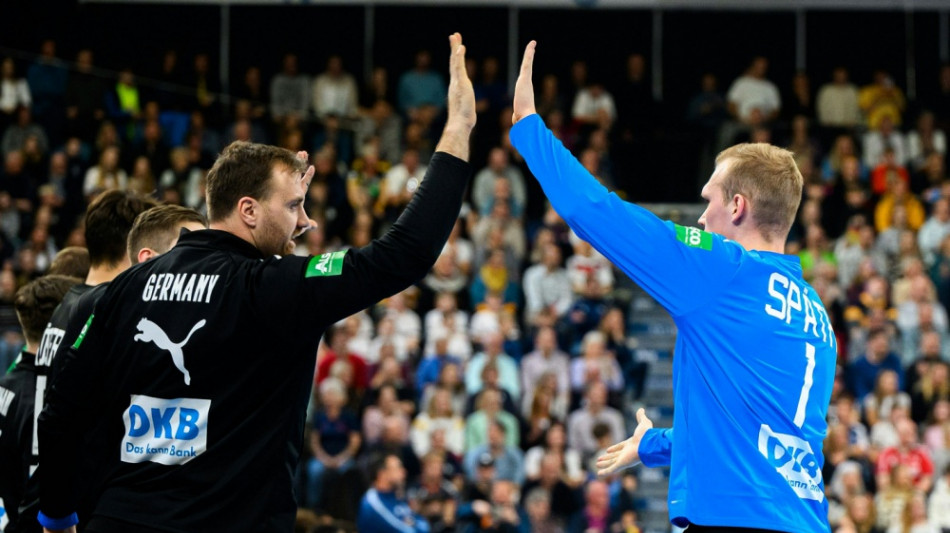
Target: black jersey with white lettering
point(201, 361)
point(17, 393)
point(65, 323)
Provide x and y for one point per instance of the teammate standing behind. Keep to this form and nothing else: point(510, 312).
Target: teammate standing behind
point(156, 231)
point(755, 353)
point(204, 405)
point(108, 221)
point(115, 218)
point(34, 304)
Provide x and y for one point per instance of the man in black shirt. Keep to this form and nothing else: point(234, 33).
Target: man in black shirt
point(34, 304)
point(201, 360)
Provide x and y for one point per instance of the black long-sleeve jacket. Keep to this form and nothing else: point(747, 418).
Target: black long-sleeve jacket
point(201, 362)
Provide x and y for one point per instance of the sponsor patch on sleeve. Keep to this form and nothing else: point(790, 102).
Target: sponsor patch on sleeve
point(328, 264)
point(694, 237)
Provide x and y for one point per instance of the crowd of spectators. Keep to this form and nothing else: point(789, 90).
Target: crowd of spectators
point(501, 375)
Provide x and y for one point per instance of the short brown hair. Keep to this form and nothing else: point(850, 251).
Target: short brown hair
point(769, 178)
point(244, 169)
point(157, 228)
point(108, 221)
point(36, 301)
point(71, 261)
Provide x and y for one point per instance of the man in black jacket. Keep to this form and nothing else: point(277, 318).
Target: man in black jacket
point(201, 360)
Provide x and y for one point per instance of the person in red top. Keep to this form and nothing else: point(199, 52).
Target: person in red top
point(336, 339)
point(888, 169)
point(908, 453)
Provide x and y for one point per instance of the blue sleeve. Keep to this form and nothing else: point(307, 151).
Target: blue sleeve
point(682, 267)
point(656, 447)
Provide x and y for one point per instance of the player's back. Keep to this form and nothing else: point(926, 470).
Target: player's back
point(753, 371)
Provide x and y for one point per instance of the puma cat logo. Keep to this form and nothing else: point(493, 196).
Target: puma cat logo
point(150, 332)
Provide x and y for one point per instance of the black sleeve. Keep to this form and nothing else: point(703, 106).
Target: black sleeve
point(334, 286)
point(70, 403)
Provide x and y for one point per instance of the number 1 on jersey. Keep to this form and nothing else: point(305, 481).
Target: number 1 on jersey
point(806, 386)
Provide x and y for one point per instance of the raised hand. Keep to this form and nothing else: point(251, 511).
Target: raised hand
point(523, 104)
point(461, 100)
point(461, 104)
point(626, 453)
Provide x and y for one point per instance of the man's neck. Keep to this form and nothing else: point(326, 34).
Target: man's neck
point(105, 272)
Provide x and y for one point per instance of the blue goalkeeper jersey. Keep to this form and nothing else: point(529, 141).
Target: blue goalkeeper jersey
point(754, 360)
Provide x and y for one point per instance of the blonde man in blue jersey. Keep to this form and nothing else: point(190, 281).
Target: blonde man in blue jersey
point(755, 352)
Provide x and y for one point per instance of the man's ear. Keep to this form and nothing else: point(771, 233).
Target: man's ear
point(740, 208)
point(145, 254)
point(249, 211)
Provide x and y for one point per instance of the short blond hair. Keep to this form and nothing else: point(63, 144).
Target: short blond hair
point(769, 178)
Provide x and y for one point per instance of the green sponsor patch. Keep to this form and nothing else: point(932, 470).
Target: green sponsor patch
point(694, 237)
point(82, 334)
point(328, 264)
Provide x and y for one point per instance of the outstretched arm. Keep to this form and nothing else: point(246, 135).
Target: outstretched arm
point(649, 445)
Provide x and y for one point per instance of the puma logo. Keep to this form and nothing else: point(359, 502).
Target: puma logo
point(150, 332)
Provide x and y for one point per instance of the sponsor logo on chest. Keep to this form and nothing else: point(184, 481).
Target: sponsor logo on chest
point(166, 431)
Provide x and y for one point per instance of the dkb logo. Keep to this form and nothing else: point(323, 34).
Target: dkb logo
point(166, 431)
point(794, 460)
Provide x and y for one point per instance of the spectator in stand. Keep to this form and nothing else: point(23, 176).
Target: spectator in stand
point(593, 411)
point(832, 166)
point(498, 450)
point(915, 518)
point(898, 193)
point(595, 515)
point(587, 262)
point(334, 92)
point(450, 378)
point(568, 461)
point(862, 373)
point(289, 92)
point(14, 93)
point(893, 497)
point(752, 101)
point(854, 247)
point(541, 410)
point(433, 496)
point(921, 312)
point(594, 107)
point(885, 396)
point(430, 366)
point(547, 286)
point(15, 136)
point(930, 182)
point(595, 365)
point(489, 412)
point(815, 249)
point(881, 100)
point(492, 345)
point(398, 186)
point(438, 416)
point(47, 78)
point(934, 230)
point(546, 358)
point(887, 171)
point(383, 507)
point(336, 339)
point(924, 140)
point(421, 91)
point(334, 440)
point(387, 408)
point(105, 176)
point(837, 105)
point(553, 479)
point(908, 453)
point(932, 388)
point(483, 183)
point(938, 507)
